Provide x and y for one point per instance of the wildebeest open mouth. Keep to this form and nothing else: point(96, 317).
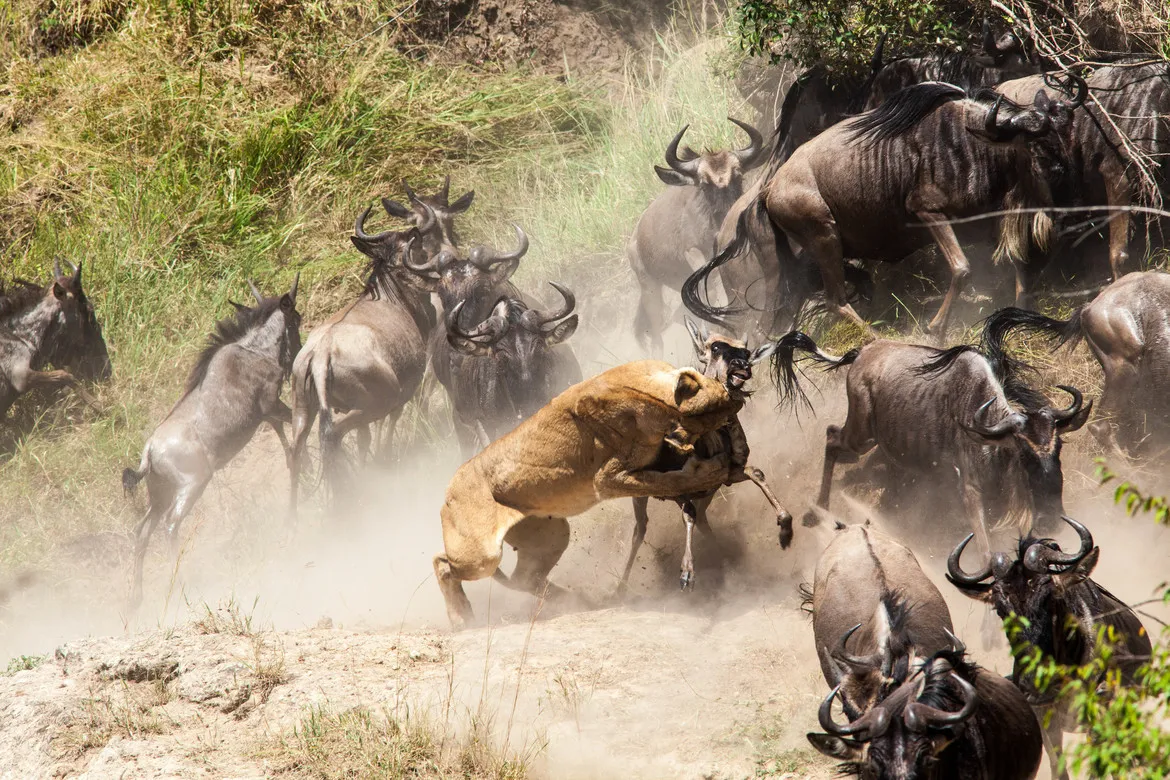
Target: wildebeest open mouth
point(739, 377)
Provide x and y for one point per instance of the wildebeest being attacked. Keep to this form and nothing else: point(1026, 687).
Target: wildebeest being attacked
point(1125, 328)
point(52, 325)
point(686, 216)
point(233, 389)
point(365, 363)
point(962, 417)
point(729, 361)
point(875, 612)
point(1061, 611)
point(599, 439)
point(885, 183)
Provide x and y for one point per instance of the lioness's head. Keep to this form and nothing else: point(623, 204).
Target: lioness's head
point(725, 359)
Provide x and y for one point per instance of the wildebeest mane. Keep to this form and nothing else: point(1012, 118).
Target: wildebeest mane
point(228, 331)
point(938, 691)
point(380, 280)
point(804, 590)
point(1009, 371)
point(902, 111)
point(19, 297)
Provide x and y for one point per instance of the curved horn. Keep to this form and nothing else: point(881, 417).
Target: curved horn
point(750, 153)
point(57, 272)
point(428, 266)
point(1073, 409)
point(256, 291)
point(1039, 557)
point(955, 571)
point(919, 717)
point(544, 317)
point(870, 725)
point(429, 217)
point(76, 273)
point(991, 121)
point(989, 46)
point(485, 260)
point(410, 194)
point(292, 293)
point(1080, 95)
point(856, 664)
point(958, 644)
point(1008, 424)
point(359, 227)
point(444, 193)
point(489, 328)
point(688, 168)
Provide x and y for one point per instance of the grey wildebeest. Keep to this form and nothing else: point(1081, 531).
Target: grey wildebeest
point(1125, 328)
point(503, 370)
point(686, 216)
point(1059, 612)
point(887, 182)
point(1130, 98)
point(962, 417)
point(916, 708)
point(599, 439)
point(729, 361)
point(51, 325)
point(364, 363)
point(434, 235)
point(233, 388)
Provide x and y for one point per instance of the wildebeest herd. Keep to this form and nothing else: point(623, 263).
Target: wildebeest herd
point(868, 173)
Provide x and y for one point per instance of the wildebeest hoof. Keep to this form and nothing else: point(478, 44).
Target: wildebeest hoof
point(811, 519)
point(785, 523)
point(686, 580)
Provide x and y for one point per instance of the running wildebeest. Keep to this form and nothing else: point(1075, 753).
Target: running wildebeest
point(1125, 328)
point(599, 439)
point(475, 284)
point(685, 216)
point(963, 417)
point(433, 235)
point(365, 363)
point(233, 389)
point(52, 325)
point(947, 719)
point(884, 184)
point(1062, 610)
point(868, 588)
point(1131, 97)
point(503, 370)
point(728, 361)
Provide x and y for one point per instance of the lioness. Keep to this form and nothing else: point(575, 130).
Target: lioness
point(593, 442)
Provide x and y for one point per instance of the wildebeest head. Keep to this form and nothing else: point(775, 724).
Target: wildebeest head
point(1006, 50)
point(726, 359)
point(480, 275)
point(282, 313)
point(1044, 116)
point(75, 335)
point(904, 735)
point(442, 231)
point(1059, 604)
point(712, 170)
point(1034, 436)
point(519, 340)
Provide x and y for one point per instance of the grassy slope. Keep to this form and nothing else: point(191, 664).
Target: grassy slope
point(179, 159)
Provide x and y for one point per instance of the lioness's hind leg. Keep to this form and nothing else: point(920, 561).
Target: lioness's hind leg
point(540, 542)
point(458, 605)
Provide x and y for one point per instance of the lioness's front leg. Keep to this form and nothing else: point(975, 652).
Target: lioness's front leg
point(699, 475)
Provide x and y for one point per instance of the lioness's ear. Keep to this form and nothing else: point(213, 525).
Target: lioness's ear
point(687, 387)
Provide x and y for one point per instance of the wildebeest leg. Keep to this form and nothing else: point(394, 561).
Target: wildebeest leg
point(944, 236)
point(837, 448)
point(1115, 342)
point(1118, 194)
point(687, 576)
point(1053, 734)
point(304, 411)
point(641, 520)
point(385, 447)
point(364, 436)
point(184, 502)
point(51, 380)
point(540, 542)
point(142, 536)
point(824, 245)
point(650, 319)
point(783, 517)
point(277, 419)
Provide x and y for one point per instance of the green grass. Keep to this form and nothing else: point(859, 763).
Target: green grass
point(178, 156)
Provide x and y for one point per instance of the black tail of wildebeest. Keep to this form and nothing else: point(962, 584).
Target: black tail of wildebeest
point(784, 366)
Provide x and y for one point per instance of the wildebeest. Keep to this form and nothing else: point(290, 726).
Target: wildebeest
point(960, 416)
point(365, 363)
point(233, 388)
point(686, 216)
point(947, 719)
point(599, 439)
point(434, 233)
point(51, 325)
point(1125, 328)
point(885, 183)
point(1131, 97)
point(873, 609)
point(729, 361)
point(503, 370)
point(1061, 611)
point(474, 285)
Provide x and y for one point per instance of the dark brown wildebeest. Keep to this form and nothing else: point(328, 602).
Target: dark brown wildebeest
point(503, 370)
point(684, 217)
point(233, 389)
point(1061, 611)
point(884, 184)
point(439, 233)
point(1125, 328)
point(868, 588)
point(365, 363)
point(959, 416)
point(1130, 97)
point(729, 361)
point(52, 325)
point(946, 719)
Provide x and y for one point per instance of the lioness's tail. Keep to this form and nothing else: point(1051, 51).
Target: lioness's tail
point(784, 365)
